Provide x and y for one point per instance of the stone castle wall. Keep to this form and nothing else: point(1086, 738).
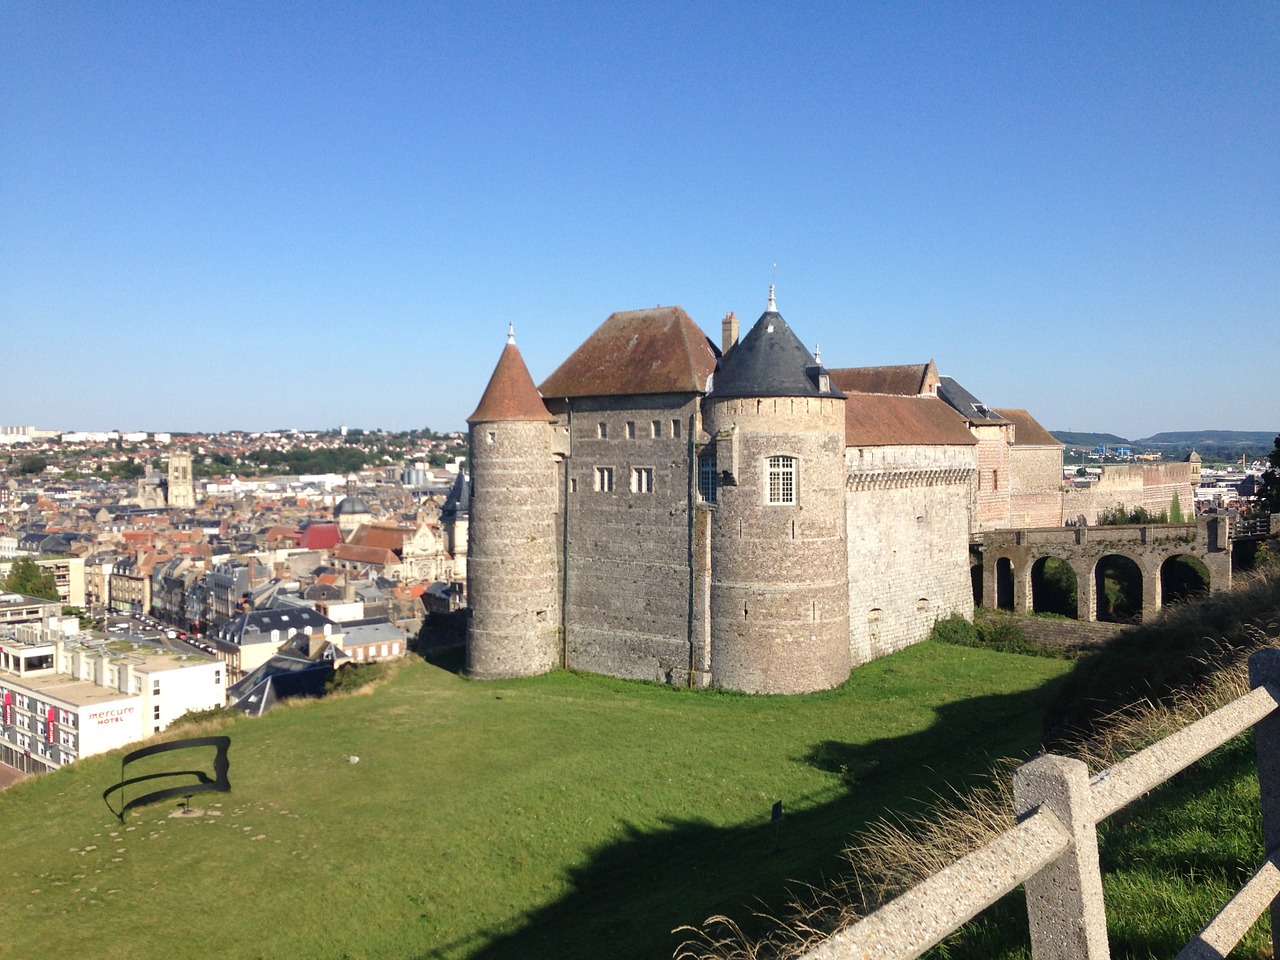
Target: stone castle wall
point(630, 549)
point(991, 479)
point(514, 595)
point(908, 557)
point(1150, 486)
point(1035, 486)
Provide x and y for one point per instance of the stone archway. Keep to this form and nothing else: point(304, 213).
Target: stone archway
point(1054, 588)
point(1118, 589)
point(1004, 584)
point(1182, 577)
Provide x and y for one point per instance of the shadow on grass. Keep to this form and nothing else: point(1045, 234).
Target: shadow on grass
point(626, 901)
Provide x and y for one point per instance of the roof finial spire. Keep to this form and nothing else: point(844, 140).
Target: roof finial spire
point(817, 354)
point(511, 333)
point(772, 307)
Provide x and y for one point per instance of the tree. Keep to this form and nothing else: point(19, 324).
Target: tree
point(1175, 509)
point(29, 578)
point(1269, 494)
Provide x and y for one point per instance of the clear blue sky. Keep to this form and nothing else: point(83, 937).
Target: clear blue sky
point(259, 216)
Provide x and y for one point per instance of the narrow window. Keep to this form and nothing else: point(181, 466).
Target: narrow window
point(602, 430)
point(493, 436)
point(995, 479)
point(573, 484)
point(631, 429)
point(782, 480)
point(675, 429)
point(655, 429)
point(707, 479)
point(604, 479)
point(642, 479)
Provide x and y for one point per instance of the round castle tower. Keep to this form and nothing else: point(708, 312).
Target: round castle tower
point(779, 559)
point(511, 554)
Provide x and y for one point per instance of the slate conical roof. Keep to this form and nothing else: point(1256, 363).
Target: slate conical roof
point(770, 361)
point(510, 394)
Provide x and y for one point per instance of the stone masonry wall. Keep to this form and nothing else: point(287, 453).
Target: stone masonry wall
point(991, 479)
point(513, 582)
point(1035, 486)
point(628, 589)
point(1151, 486)
point(908, 532)
point(779, 572)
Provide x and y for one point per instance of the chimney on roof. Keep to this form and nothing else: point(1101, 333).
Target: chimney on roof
point(728, 331)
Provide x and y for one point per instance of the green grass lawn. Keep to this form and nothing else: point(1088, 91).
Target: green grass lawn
point(569, 816)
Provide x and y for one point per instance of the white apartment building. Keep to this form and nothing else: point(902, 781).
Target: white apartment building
point(66, 698)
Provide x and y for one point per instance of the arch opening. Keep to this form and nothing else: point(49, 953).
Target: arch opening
point(1004, 584)
point(975, 573)
point(1118, 583)
point(1053, 587)
point(1183, 577)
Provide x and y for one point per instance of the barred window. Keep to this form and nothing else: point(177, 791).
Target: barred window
point(707, 479)
point(782, 480)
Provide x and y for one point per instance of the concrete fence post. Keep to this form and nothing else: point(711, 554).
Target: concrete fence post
point(1264, 669)
point(1064, 900)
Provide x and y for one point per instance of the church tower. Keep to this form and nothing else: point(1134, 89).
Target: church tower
point(182, 492)
point(779, 587)
point(512, 560)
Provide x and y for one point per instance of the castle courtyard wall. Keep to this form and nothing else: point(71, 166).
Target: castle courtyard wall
point(1035, 486)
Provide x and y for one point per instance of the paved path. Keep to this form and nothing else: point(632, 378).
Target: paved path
point(9, 776)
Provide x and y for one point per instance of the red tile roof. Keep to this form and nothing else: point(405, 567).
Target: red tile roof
point(882, 420)
point(510, 394)
point(380, 536)
point(1027, 430)
point(906, 380)
point(358, 554)
point(638, 351)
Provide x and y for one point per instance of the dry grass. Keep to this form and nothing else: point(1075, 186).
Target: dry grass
point(894, 855)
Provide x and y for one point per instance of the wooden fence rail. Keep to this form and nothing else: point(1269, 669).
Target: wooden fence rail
point(1053, 848)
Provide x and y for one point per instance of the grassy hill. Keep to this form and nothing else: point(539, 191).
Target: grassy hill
point(568, 816)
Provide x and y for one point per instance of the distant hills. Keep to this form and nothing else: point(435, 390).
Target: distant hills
point(1212, 445)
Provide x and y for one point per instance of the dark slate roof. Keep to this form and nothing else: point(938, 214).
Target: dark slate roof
point(350, 505)
point(1027, 431)
point(637, 351)
point(458, 502)
point(770, 361)
point(510, 394)
point(885, 420)
point(969, 406)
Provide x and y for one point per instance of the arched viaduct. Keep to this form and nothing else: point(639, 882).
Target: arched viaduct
point(1010, 556)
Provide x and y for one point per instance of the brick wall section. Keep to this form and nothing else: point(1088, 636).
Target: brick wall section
point(1151, 486)
point(512, 553)
point(628, 576)
point(779, 591)
point(991, 480)
point(1035, 486)
point(908, 530)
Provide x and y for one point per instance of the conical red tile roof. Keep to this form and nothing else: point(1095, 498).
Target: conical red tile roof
point(510, 394)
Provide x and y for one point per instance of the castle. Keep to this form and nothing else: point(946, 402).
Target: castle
point(739, 515)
